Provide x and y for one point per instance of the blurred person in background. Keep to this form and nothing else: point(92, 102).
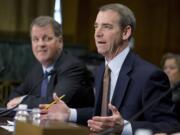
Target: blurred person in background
point(171, 65)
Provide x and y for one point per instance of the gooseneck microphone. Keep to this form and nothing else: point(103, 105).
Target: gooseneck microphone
point(6, 112)
point(154, 101)
point(111, 130)
point(40, 81)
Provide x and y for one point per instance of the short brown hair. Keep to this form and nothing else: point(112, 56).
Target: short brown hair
point(42, 21)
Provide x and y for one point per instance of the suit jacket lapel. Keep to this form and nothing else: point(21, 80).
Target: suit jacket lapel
point(123, 81)
point(57, 68)
point(98, 89)
point(35, 84)
point(121, 84)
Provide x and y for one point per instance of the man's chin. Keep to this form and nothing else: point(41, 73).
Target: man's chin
point(44, 62)
point(103, 53)
point(100, 51)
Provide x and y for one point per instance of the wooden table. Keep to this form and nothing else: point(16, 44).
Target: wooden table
point(47, 127)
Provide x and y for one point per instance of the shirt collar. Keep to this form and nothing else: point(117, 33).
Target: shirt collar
point(116, 63)
point(47, 69)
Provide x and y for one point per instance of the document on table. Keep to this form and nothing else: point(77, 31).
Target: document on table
point(9, 127)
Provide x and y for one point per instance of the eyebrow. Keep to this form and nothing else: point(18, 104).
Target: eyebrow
point(104, 24)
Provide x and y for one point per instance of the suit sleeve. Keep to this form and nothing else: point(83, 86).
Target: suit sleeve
point(72, 79)
point(30, 87)
point(75, 82)
point(23, 89)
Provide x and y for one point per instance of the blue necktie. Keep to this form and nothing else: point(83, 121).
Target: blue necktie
point(44, 85)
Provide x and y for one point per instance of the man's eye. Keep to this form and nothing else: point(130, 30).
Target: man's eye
point(46, 39)
point(108, 27)
point(95, 26)
point(34, 39)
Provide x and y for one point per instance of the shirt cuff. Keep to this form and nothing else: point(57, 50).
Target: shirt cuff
point(127, 130)
point(73, 115)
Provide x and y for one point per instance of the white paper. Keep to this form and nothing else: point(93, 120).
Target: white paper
point(8, 128)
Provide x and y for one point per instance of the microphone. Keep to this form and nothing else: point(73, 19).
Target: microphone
point(5, 112)
point(44, 77)
point(154, 101)
point(111, 130)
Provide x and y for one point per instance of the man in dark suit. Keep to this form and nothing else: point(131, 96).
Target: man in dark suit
point(68, 76)
point(134, 83)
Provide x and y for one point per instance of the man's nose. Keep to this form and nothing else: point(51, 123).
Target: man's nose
point(98, 32)
point(40, 42)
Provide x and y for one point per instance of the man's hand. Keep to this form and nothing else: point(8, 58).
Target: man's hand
point(100, 123)
point(59, 111)
point(14, 102)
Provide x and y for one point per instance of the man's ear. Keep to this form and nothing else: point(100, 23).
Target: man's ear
point(60, 39)
point(127, 31)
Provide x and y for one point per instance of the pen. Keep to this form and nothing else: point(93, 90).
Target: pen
point(55, 101)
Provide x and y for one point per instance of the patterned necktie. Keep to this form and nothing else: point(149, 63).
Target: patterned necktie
point(105, 95)
point(44, 84)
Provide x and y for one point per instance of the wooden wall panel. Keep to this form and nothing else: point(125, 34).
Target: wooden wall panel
point(173, 33)
point(151, 31)
point(69, 20)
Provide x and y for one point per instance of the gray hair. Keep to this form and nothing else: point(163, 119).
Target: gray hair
point(42, 21)
point(126, 15)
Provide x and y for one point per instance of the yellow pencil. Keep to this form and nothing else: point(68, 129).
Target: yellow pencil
point(54, 102)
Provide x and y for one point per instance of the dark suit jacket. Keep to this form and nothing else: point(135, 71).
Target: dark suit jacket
point(138, 84)
point(71, 78)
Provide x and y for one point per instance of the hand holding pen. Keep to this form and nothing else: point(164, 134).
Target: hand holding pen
point(56, 99)
point(55, 111)
point(44, 107)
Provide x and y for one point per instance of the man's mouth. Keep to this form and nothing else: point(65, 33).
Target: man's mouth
point(101, 42)
point(42, 51)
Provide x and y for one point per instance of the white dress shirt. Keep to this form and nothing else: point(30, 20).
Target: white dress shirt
point(48, 69)
point(115, 66)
